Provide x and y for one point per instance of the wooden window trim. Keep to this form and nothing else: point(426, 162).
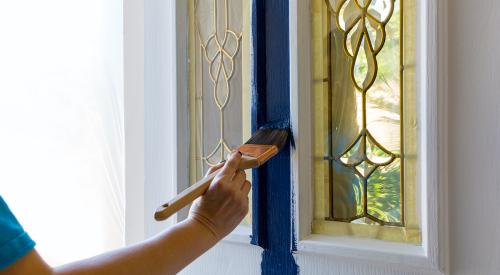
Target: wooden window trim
point(431, 60)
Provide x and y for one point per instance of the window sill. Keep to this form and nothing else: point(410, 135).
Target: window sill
point(241, 235)
point(407, 256)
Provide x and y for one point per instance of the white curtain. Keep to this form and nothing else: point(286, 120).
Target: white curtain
point(61, 123)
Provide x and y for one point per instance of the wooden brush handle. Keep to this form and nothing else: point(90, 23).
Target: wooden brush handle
point(196, 190)
point(184, 198)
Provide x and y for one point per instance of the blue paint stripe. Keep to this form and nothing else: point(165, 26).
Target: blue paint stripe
point(258, 108)
point(272, 218)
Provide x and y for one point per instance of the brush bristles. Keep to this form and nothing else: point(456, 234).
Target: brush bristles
point(276, 137)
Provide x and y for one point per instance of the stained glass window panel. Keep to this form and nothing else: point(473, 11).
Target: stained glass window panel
point(365, 130)
point(219, 82)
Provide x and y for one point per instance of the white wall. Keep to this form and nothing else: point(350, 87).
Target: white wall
point(474, 136)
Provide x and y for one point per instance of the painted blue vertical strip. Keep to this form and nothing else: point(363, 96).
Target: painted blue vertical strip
point(272, 222)
point(258, 118)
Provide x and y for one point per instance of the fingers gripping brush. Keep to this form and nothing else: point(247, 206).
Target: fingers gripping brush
point(263, 145)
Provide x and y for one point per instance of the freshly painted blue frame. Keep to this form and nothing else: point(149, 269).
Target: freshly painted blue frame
point(272, 200)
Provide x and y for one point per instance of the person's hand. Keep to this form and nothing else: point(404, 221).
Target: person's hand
point(225, 203)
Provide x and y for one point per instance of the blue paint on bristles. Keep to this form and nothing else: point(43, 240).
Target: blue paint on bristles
point(283, 124)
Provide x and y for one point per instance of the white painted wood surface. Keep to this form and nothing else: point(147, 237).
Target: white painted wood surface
point(227, 258)
point(133, 48)
point(161, 153)
point(156, 165)
point(474, 136)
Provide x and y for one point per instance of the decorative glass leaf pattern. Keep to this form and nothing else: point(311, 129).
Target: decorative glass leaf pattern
point(219, 41)
point(369, 187)
point(219, 82)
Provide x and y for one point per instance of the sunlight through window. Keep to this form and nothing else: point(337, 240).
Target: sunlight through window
point(61, 111)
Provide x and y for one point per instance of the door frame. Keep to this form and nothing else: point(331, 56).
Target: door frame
point(292, 17)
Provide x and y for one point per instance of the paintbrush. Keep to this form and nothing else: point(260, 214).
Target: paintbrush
point(263, 145)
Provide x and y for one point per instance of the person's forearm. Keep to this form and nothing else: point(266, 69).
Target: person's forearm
point(212, 216)
point(166, 253)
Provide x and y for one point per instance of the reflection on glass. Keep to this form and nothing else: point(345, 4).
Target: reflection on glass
point(384, 193)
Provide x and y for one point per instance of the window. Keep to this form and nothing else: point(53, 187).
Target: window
point(61, 111)
point(219, 82)
point(365, 119)
point(293, 202)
